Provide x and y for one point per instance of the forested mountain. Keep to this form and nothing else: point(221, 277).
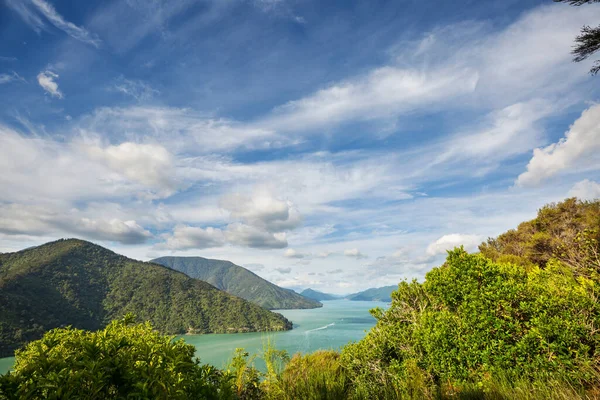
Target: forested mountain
point(374, 294)
point(74, 282)
point(238, 281)
point(318, 296)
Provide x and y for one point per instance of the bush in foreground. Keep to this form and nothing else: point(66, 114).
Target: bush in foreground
point(124, 360)
point(474, 321)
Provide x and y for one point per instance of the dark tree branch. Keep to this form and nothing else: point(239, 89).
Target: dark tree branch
point(587, 43)
point(577, 2)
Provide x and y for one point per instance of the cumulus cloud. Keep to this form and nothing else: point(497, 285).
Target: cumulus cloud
point(263, 210)
point(448, 242)
point(354, 253)
point(26, 219)
point(32, 11)
point(291, 253)
point(189, 237)
point(46, 79)
point(36, 167)
point(335, 271)
point(283, 270)
point(585, 190)
point(149, 164)
point(249, 236)
point(581, 142)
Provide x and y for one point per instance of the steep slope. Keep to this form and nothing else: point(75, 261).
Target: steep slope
point(318, 296)
point(238, 281)
point(73, 282)
point(374, 294)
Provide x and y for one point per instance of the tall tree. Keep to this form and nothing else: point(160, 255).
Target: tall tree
point(588, 42)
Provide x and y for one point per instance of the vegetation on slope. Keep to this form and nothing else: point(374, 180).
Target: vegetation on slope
point(567, 231)
point(318, 296)
point(73, 282)
point(478, 327)
point(238, 281)
point(374, 294)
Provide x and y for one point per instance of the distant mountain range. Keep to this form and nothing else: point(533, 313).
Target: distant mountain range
point(373, 294)
point(77, 283)
point(238, 281)
point(319, 296)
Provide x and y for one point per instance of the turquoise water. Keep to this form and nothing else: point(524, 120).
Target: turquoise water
point(330, 327)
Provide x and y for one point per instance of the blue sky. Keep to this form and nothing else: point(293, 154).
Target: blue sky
point(337, 145)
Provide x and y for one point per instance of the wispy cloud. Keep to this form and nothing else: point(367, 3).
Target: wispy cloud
point(32, 11)
point(7, 78)
point(139, 90)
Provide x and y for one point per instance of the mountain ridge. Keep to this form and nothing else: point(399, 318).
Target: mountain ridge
point(318, 295)
point(238, 281)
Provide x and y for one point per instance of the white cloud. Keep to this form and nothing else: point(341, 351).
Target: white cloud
point(586, 190)
point(139, 90)
point(21, 219)
point(46, 79)
point(283, 270)
point(7, 78)
point(149, 164)
point(384, 92)
point(354, 253)
point(263, 210)
point(448, 242)
point(291, 253)
point(185, 130)
point(250, 236)
point(189, 237)
point(31, 12)
point(579, 147)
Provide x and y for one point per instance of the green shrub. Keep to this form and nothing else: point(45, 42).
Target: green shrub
point(121, 361)
point(473, 320)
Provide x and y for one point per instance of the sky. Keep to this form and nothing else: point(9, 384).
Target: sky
point(337, 145)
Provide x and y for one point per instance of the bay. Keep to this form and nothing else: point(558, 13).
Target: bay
point(329, 327)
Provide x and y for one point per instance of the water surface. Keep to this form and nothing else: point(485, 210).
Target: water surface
point(330, 327)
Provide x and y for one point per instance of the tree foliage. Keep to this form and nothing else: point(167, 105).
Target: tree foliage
point(568, 231)
point(473, 319)
point(124, 360)
point(588, 41)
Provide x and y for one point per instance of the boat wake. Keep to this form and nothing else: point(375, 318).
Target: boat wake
point(321, 328)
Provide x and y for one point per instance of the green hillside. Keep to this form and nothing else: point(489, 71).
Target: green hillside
point(238, 281)
point(374, 294)
point(318, 296)
point(73, 282)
